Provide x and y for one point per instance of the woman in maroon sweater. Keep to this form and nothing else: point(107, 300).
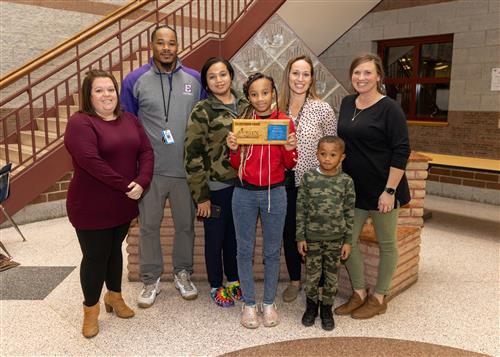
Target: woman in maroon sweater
point(113, 164)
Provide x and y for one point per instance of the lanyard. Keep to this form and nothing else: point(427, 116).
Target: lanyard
point(166, 107)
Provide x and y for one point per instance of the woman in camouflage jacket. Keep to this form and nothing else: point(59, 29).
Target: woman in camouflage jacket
point(211, 178)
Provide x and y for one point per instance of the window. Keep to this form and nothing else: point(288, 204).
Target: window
point(418, 75)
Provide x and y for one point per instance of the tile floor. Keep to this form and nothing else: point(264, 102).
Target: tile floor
point(454, 303)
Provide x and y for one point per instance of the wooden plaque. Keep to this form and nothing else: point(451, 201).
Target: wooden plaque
point(261, 131)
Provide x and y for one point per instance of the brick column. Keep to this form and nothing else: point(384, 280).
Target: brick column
point(410, 223)
point(167, 237)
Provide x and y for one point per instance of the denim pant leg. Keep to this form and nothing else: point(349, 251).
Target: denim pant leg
point(245, 210)
point(272, 229)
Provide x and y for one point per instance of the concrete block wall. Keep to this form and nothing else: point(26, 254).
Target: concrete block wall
point(474, 112)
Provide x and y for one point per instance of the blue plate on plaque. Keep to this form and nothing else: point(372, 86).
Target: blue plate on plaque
point(276, 132)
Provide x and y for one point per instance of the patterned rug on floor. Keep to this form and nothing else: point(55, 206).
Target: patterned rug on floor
point(31, 283)
point(351, 347)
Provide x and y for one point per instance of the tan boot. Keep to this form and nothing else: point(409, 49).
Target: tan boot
point(354, 302)
point(370, 308)
point(114, 301)
point(90, 325)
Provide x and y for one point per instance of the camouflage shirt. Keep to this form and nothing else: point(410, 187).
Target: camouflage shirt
point(206, 155)
point(325, 207)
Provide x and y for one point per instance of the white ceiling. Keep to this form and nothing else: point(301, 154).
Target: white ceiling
point(319, 23)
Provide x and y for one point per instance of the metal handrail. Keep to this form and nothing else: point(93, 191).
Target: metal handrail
point(112, 51)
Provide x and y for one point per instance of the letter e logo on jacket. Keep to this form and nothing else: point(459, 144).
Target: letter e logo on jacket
point(188, 89)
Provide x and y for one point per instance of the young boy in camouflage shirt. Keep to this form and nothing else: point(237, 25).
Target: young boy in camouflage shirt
point(325, 211)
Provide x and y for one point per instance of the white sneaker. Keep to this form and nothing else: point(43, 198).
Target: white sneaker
point(184, 284)
point(148, 294)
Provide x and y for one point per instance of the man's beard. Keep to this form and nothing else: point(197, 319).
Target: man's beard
point(168, 67)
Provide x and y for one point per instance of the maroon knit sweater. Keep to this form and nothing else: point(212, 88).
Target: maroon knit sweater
point(107, 156)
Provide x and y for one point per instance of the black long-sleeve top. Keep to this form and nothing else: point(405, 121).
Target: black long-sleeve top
point(376, 139)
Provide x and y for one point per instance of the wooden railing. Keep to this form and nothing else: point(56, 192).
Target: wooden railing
point(37, 98)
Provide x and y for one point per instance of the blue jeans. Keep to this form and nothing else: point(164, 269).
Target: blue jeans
point(246, 207)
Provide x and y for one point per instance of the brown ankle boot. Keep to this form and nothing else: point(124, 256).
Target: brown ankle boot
point(370, 308)
point(354, 302)
point(90, 325)
point(114, 301)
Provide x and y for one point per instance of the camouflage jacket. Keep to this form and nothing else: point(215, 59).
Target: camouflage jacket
point(206, 155)
point(325, 207)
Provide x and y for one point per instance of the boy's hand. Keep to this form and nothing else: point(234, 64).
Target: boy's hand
point(346, 251)
point(302, 247)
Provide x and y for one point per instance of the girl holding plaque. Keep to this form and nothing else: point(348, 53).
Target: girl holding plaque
point(313, 119)
point(261, 169)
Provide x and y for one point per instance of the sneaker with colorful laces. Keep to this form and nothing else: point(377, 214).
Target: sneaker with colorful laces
point(221, 297)
point(234, 290)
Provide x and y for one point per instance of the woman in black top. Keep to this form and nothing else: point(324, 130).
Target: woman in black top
point(374, 129)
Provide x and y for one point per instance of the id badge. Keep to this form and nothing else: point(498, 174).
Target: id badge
point(166, 137)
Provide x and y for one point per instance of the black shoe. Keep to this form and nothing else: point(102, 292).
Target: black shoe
point(310, 314)
point(327, 322)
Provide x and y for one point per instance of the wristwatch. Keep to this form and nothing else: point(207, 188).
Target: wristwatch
point(390, 190)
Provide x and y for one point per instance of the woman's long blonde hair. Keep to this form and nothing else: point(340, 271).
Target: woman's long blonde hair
point(284, 98)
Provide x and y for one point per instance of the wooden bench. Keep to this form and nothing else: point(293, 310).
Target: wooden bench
point(467, 162)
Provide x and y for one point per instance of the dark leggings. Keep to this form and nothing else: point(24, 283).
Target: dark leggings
point(220, 240)
point(102, 261)
point(292, 256)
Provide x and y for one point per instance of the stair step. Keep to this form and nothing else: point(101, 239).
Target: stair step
point(127, 66)
point(145, 56)
point(25, 136)
point(63, 111)
point(116, 74)
point(17, 168)
point(51, 124)
point(26, 151)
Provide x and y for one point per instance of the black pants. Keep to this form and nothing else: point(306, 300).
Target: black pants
point(220, 240)
point(102, 261)
point(292, 256)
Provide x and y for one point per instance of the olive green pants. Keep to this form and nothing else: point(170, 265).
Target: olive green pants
point(385, 225)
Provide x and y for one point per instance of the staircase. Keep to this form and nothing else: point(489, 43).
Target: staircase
point(38, 98)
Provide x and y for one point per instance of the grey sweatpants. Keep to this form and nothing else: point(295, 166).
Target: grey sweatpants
point(151, 208)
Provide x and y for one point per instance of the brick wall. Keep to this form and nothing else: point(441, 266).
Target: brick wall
point(469, 133)
point(57, 191)
point(474, 110)
point(464, 177)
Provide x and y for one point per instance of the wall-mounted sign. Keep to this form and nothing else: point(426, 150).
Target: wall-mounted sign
point(495, 79)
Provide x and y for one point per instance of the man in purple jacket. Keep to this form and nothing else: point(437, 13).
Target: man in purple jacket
point(162, 94)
